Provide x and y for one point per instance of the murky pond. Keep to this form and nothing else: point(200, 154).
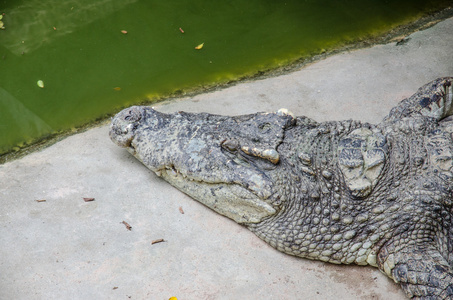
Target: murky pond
point(66, 63)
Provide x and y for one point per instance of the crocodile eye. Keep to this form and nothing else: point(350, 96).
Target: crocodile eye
point(230, 145)
point(264, 126)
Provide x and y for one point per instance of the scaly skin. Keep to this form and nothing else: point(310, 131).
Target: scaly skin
point(341, 192)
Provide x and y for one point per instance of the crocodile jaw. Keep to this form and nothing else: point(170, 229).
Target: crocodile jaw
point(191, 158)
point(229, 199)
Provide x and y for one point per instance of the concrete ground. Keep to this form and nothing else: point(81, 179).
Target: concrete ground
point(66, 248)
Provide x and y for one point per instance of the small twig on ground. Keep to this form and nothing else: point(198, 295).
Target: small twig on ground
point(157, 241)
point(129, 227)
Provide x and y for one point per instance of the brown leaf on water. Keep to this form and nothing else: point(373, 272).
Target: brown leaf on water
point(199, 46)
point(88, 199)
point(41, 200)
point(181, 210)
point(123, 31)
point(180, 29)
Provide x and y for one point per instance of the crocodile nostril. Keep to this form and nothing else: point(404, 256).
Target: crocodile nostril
point(132, 115)
point(230, 145)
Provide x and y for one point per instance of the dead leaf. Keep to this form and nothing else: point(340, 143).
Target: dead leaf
point(180, 29)
point(180, 210)
point(157, 241)
point(115, 287)
point(88, 199)
point(123, 31)
point(41, 200)
point(117, 88)
point(129, 227)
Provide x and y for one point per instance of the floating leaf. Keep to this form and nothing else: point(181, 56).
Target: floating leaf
point(180, 29)
point(117, 88)
point(40, 83)
point(199, 46)
point(123, 31)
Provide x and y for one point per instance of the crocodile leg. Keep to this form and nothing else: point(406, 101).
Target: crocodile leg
point(434, 100)
point(420, 269)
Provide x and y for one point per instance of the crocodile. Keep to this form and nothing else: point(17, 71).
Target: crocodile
point(343, 192)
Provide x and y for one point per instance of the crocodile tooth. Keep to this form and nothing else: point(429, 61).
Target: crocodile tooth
point(305, 158)
point(268, 154)
point(307, 171)
point(327, 174)
point(285, 112)
point(271, 155)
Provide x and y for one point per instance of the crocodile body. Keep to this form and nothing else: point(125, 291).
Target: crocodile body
point(341, 192)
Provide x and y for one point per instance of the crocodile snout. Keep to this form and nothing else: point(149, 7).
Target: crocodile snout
point(123, 125)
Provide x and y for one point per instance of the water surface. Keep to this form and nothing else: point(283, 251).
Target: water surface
point(91, 67)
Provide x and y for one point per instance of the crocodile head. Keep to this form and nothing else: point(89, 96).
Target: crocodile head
point(224, 162)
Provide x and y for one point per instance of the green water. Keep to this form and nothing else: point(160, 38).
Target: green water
point(89, 68)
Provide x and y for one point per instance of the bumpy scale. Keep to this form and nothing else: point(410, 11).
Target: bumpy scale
point(341, 192)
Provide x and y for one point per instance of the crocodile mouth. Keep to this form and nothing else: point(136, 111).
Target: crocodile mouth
point(229, 199)
point(210, 157)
